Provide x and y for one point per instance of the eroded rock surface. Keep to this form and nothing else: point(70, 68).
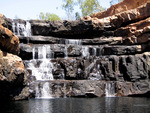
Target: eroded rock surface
point(13, 78)
point(107, 52)
point(8, 41)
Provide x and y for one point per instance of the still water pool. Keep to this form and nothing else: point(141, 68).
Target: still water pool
point(79, 105)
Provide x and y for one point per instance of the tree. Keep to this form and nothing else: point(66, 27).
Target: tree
point(48, 16)
point(42, 16)
point(77, 15)
point(68, 6)
point(89, 6)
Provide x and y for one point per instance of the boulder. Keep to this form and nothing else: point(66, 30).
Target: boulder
point(5, 21)
point(8, 41)
point(13, 78)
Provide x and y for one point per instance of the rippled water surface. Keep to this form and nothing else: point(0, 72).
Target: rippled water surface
point(79, 105)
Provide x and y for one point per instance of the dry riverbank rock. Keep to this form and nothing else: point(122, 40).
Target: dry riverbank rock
point(120, 7)
point(8, 41)
point(13, 78)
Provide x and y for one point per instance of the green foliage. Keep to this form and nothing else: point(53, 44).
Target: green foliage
point(77, 15)
point(48, 16)
point(68, 6)
point(89, 6)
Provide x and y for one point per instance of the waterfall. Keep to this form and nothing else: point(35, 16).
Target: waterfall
point(100, 50)
point(43, 90)
point(94, 51)
point(41, 68)
point(21, 29)
point(91, 50)
point(13, 27)
point(110, 89)
point(85, 51)
point(64, 90)
point(73, 41)
point(41, 64)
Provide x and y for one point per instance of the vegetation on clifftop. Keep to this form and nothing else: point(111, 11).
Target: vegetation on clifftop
point(77, 8)
point(49, 16)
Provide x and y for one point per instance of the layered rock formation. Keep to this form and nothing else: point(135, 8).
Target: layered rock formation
point(120, 7)
point(13, 78)
point(100, 55)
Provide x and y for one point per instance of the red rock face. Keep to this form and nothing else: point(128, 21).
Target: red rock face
point(120, 7)
point(11, 67)
point(8, 41)
point(13, 76)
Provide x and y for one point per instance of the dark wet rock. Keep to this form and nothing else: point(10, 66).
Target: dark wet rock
point(72, 29)
point(90, 88)
point(122, 50)
point(40, 40)
point(108, 53)
point(116, 68)
point(25, 51)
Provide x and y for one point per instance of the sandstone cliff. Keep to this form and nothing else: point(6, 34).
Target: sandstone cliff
point(13, 78)
point(105, 51)
point(120, 7)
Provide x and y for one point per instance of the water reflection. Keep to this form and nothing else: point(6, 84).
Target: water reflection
point(40, 106)
point(79, 105)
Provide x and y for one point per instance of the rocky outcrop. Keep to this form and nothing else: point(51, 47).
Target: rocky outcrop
point(90, 88)
point(95, 56)
point(8, 41)
point(5, 21)
point(13, 78)
point(120, 7)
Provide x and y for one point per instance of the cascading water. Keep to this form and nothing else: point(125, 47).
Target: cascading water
point(41, 64)
point(43, 90)
point(41, 67)
point(110, 89)
point(94, 51)
point(73, 41)
point(21, 29)
point(85, 51)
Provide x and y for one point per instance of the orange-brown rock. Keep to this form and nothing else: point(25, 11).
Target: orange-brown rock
point(13, 78)
point(8, 41)
point(130, 16)
point(120, 7)
point(3, 20)
point(121, 19)
point(139, 30)
point(136, 29)
point(11, 66)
